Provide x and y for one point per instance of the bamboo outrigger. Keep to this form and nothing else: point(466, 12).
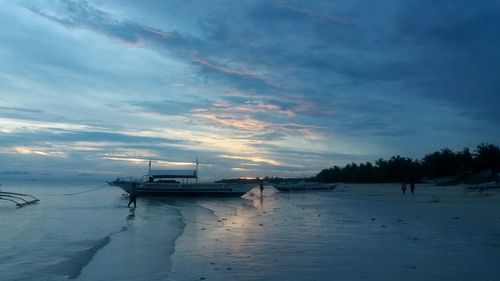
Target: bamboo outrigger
point(19, 199)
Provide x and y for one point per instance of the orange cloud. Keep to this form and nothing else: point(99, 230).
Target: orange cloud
point(254, 159)
point(38, 151)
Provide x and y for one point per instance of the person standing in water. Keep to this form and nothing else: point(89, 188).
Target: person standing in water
point(132, 195)
point(261, 188)
point(403, 187)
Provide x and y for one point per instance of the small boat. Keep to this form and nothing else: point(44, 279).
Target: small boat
point(443, 181)
point(305, 186)
point(483, 187)
point(176, 183)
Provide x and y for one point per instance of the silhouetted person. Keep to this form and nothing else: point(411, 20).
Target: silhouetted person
point(261, 189)
point(412, 187)
point(132, 195)
point(403, 188)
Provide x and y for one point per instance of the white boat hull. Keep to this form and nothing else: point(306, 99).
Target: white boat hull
point(180, 189)
point(305, 187)
point(483, 186)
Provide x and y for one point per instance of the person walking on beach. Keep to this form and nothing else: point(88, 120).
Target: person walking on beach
point(403, 187)
point(412, 187)
point(132, 195)
point(261, 188)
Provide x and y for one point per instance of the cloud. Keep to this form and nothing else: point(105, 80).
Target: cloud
point(366, 62)
point(23, 110)
point(165, 107)
point(254, 159)
point(79, 14)
point(458, 57)
point(301, 83)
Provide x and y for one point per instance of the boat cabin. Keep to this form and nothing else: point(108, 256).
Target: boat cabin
point(169, 175)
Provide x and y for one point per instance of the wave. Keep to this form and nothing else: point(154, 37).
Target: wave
point(72, 267)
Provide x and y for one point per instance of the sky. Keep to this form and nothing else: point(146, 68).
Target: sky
point(251, 88)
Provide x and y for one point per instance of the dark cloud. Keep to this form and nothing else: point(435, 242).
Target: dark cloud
point(269, 136)
point(458, 59)
point(167, 107)
point(106, 137)
point(313, 156)
point(201, 53)
point(80, 14)
point(442, 50)
point(19, 109)
point(21, 113)
point(65, 136)
point(14, 173)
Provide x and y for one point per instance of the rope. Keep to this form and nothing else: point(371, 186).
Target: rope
point(215, 178)
point(76, 193)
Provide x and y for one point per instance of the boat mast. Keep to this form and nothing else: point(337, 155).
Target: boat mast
point(150, 177)
point(197, 163)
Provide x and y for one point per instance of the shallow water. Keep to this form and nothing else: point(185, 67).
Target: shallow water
point(84, 236)
point(357, 232)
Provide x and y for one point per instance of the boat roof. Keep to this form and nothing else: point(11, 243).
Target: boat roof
point(171, 174)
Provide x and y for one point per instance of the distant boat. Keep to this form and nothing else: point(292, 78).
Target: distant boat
point(467, 177)
point(480, 177)
point(305, 186)
point(443, 181)
point(483, 187)
point(176, 183)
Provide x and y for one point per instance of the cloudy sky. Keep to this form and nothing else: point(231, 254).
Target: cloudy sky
point(251, 88)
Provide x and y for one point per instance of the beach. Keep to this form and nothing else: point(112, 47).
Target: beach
point(356, 232)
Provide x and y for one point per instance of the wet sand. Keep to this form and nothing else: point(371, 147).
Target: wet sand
point(357, 232)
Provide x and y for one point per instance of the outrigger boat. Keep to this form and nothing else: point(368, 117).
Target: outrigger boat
point(443, 181)
point(483, 187)
point(305, 186)
point(176, 183)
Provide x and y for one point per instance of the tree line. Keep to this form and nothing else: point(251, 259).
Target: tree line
point(443, 163)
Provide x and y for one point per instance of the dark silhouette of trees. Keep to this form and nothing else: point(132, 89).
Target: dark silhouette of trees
point(487, 156)
point(466, 160)
point(333, 174)
point(440, 163)
point(443, 163)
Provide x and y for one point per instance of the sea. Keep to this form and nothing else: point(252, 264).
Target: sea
point(82, 229)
